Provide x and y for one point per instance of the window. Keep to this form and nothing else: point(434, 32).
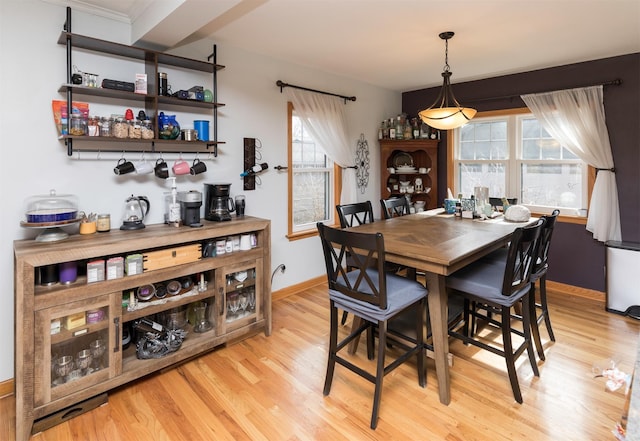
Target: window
point(313, 193)
point(513, 155)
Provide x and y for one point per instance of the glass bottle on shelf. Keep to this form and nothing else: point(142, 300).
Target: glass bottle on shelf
point(424, 131)
point(392, 129)
point(399, 128)
point(415, 128)
point(407, 129)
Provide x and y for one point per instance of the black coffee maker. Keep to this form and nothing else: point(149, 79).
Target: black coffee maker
point(217, 204)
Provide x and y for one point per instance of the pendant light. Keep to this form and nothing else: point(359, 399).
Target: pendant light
point(446, 113)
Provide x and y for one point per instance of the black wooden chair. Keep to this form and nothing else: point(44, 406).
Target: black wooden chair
point(369, 292)
point(394, 207)
point(351, 215)
point(501, 288)
point(538, 274)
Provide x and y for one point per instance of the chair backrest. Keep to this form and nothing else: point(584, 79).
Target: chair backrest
point(367, 279)
point(541, 262)
point(394, 207)
point(352, 215)
point(523, 251)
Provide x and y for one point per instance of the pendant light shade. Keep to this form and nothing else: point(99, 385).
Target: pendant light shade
point(446, 113)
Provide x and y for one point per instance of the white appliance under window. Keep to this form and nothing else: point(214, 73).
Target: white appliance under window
point(622, 267)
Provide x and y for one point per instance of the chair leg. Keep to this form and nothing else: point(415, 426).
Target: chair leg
point(382, 342)
point(344, 317)
point(545, 307)
point(508, 353)
point(370, 342)
point(333, 344)
point(535, 330)
point(528, 320)
point(465, 330)
point(421, 354)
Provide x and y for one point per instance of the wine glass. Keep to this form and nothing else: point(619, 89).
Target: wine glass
point(64, 366)
point(98, 349)
point(83, 360)
point(244, 301)
point(252, 299)
point(233, 303)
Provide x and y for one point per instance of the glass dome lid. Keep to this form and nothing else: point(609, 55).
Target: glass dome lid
point(51, 207)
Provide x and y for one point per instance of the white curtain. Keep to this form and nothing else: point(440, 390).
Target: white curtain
point(324, 117)
point(575, 118)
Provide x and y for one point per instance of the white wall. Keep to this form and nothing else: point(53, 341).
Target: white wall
point(34, 161)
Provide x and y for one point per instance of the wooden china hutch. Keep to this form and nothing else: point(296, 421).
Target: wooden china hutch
point(410, 160)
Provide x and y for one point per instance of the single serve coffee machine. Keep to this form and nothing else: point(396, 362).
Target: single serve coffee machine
point(190, 203)
point(218, 205)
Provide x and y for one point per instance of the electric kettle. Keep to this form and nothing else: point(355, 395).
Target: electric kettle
point(135, 210)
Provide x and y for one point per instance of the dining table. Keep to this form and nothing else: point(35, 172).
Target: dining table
point(438, 244)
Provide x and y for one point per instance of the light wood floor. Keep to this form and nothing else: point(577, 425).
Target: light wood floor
point(270, 388)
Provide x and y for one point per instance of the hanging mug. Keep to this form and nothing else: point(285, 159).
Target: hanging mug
point(161, 169)
point(123, 167)
point(198, 167)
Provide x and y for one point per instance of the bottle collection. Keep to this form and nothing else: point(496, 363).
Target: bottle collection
point(402, 127)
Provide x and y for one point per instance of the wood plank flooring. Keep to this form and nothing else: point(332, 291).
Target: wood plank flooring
point(270, 388)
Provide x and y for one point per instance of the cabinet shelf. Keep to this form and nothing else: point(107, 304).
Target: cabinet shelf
point(81, 90)
point(136, 53)
point(171, 303)
point(66, 334)
point(48, 296)
point(110, 144)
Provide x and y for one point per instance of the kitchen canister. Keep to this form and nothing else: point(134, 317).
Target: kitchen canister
point(202, 127)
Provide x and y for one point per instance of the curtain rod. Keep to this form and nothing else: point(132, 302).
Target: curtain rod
point(281, 85)
point(615, 82)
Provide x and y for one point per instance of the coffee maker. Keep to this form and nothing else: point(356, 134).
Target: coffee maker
point(190, 203)
point(218, 205)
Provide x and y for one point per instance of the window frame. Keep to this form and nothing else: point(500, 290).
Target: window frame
point(293, 234)
point(519, 113)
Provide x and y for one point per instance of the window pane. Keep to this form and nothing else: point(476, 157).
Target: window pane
point(530, 149)
point(484, 140)
point(492, 175)
point(553, 185)
point(310, 197)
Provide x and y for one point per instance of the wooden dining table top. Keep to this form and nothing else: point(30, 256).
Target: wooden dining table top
point(440, 244)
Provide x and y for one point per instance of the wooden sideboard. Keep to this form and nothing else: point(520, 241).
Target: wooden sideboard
point(56, 323)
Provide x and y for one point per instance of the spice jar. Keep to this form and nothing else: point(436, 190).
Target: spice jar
point(120, 128)
point(105, 126)
point(76, 127)
point(103, 223)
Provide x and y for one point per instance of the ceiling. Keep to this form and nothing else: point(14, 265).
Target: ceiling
point(390, 43)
